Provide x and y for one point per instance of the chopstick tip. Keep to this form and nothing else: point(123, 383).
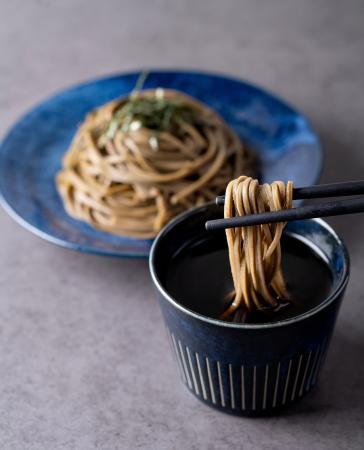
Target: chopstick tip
point(220, 200)
point(208, 225)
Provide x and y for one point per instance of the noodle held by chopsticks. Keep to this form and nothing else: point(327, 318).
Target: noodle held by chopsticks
point(137, 162)
point(255, 251)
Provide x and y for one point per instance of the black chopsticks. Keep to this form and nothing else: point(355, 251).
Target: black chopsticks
point(334, 208)
point(321, 190)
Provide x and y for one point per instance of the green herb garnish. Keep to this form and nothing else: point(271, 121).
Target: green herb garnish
point(156, 113)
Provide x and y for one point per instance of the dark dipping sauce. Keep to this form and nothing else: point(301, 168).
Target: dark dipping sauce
point(199, 278)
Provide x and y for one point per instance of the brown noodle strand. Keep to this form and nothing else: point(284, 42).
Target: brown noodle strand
point(132, 182)
point(255, 251)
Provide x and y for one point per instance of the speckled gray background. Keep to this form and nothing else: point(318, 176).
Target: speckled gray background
point(84, 362)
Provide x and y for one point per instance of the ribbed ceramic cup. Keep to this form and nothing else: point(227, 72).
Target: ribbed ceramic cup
point(249, 369)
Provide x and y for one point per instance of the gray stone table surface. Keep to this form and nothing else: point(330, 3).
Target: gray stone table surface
point(84, 361)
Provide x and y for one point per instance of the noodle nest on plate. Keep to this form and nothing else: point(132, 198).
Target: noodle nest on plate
point(137, 162)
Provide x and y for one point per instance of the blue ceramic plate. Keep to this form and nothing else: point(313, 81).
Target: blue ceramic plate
point(31, 153)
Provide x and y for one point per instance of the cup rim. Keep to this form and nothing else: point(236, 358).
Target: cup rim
point(221, 323)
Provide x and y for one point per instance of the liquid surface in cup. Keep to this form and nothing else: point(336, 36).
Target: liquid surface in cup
point(199, 278)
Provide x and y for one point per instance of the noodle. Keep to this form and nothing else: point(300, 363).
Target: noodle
point(255, 251)
point(137, 162)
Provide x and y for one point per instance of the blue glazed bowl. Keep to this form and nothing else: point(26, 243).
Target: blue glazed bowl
point(31, 153)
point(249, 369)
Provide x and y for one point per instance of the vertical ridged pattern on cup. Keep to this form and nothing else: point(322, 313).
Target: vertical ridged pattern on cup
point(245, 388)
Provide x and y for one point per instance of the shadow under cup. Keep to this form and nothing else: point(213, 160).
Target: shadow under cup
point(249, 369)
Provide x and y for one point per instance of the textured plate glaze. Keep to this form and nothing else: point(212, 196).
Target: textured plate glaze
point(31, 153)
